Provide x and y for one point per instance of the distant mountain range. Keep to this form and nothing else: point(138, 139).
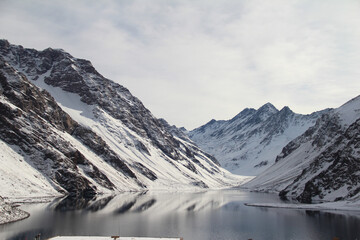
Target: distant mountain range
point(249, 143)
point(66, 129)
point(310, 158)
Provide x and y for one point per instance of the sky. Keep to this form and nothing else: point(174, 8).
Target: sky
point(190, 61)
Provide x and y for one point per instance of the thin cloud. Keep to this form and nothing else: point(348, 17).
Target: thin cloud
point(191, 61)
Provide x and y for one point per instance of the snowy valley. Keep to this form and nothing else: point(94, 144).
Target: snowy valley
point(67, 130)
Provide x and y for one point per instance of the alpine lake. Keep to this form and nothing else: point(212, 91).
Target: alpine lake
point(210, 215)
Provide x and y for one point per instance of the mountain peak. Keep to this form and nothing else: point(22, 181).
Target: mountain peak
point(286, 110)
point(4, 42)
point(265, 112)
point(211, 122)
point(249, 143)
point(268, 107)
point(350, 111)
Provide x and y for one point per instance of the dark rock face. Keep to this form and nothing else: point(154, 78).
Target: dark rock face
point(175, 131)
point(326, 125)
point(99, 146)
point(337, 168)
point(190, 150)
point(145, 171)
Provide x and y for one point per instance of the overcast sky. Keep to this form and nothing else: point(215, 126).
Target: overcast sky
point(190, 61)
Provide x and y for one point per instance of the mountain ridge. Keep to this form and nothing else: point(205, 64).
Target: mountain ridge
point(249, 142)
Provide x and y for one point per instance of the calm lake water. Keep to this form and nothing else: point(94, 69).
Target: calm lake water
point(216, 215)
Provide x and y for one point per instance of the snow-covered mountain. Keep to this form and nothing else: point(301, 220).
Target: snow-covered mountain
point(64, 128)
point(249, 143)
point(323, 164)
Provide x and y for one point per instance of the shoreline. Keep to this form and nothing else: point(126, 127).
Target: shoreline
point(11, 213)
point(329, 206)
point(16, 220)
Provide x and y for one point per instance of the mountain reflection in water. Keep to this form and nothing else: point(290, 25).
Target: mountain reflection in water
point(159, 202)
point(210, 215)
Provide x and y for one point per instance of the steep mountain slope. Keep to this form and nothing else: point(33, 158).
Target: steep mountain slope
point(38, 142)
point(249, 143)
point(81, 133)
point(323, 164)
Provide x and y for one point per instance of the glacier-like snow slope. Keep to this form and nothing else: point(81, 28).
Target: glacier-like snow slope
point(323, 164)
point(19, 177)
point(249, 143)
point(88, 127)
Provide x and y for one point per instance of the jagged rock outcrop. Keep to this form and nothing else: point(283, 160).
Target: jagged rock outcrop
point(175, 131)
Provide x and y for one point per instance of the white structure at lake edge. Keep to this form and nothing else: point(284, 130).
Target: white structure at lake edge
point(109, 238)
